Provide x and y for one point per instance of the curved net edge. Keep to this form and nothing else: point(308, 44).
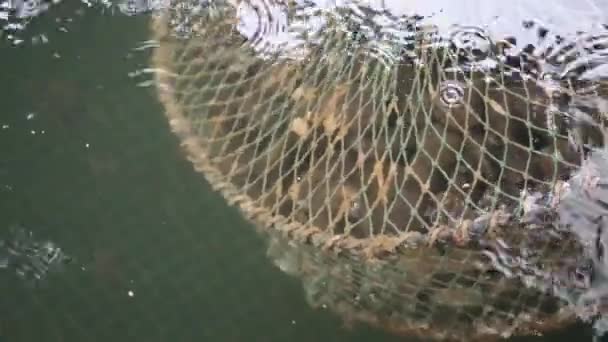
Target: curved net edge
point(333, 256)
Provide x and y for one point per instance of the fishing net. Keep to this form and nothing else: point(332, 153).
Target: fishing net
point(409, 180)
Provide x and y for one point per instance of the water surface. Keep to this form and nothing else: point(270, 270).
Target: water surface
point(88, 162)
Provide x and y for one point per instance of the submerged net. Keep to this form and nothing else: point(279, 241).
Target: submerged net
point(410, 182)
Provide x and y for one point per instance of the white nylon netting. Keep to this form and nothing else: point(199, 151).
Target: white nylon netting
point(406, 186)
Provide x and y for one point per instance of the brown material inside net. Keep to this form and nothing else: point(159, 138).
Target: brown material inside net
point(381, 186)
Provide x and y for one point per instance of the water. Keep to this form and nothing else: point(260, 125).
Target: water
point(89, 165)
point(157, 255)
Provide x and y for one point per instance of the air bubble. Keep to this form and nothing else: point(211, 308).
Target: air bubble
point(451, 93)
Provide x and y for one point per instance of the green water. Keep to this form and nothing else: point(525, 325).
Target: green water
point(158, 256)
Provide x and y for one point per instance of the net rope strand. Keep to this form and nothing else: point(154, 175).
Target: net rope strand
point(380, 184)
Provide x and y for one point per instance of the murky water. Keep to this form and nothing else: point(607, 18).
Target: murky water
point(106, 231)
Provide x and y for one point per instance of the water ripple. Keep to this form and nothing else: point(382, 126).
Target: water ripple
point(29, 258)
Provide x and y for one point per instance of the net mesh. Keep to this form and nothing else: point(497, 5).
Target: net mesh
point(406, 186)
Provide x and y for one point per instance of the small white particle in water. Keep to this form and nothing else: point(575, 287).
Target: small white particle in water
point(62, 29)
point(33, 132)
point(30, 116)
point(56, 55)
point(5, 126)
point(293, 322)
point(83, 268)
point(324, 306)
point(131, 293)
point(42, 132)
point(86, 145)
